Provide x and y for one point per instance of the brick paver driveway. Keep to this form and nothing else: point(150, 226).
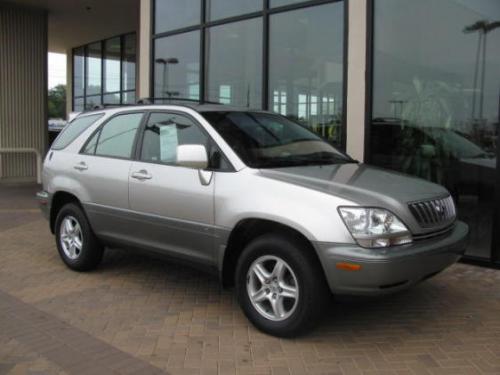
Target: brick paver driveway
point(141, 315)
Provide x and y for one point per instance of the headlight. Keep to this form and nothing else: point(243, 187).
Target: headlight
point(375, 227)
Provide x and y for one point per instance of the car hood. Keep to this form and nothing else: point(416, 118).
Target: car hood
point(360, 183)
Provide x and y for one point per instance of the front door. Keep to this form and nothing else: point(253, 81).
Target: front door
point(173, 210)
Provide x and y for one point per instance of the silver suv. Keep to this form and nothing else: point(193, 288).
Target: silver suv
point(254, 197)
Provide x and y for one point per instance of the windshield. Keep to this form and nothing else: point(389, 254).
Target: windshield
point(264, 140)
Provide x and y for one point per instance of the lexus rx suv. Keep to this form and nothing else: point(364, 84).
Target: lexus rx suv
point(259, 200)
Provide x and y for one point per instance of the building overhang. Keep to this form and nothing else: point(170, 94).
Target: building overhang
point(73, 23)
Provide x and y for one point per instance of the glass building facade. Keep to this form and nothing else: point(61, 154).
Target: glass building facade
point(435, 103)
point(431, 97)
point(104, 73)
point(283, 56)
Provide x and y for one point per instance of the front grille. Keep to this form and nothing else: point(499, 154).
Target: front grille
point(434, 212)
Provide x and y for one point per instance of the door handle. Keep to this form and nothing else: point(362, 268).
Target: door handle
point(81, 166)
point(141, 175)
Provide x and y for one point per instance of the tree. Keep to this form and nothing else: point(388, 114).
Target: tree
point(57, 102)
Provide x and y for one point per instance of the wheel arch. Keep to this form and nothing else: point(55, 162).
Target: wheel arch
point(245, 231)
point(59, 200)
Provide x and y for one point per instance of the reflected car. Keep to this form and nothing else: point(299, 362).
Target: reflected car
point(255, 198)
point(434, 153)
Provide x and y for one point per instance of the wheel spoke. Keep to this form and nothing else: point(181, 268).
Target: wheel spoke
point(288, 291)
point(78, 243)
point(76, 229)
point(279, 269)
point(68, 227)
point(259, 295)
point(277, 305)
point(261, 273)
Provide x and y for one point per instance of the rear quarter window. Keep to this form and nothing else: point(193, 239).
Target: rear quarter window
point(73, 130)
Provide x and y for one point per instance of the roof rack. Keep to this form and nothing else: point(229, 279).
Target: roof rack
point(148, 101)
point(152, 100)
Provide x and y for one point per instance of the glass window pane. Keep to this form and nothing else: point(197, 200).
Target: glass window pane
point(111, 99)
point(92, 102)
point(164, 133)
point(129, 62)
point(112, 56)
point(306, 67)
point(433, 114)
point(278, 3)
point(218, 9)
point(129, 97)
point(78, 105)
point(78, 71)
point(117, 136)
point(234, 58)
point(73, 130)
point(94, 70)
point(176, 14)
point(177, 66)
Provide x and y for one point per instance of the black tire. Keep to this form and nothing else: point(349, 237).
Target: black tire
point(91, 252)
point(313, 291)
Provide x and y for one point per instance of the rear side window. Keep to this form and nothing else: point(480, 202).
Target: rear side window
point(116, 137)
point(73, 130)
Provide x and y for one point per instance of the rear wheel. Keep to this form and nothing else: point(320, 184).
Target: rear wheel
point(77, 244)
point(280, 286)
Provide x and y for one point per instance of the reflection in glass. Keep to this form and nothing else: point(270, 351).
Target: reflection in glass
point(436, 100)
point(94, 70)
point(78, 105)
point(306, 67)
point(218, 9)
point(128, 64)
point(177, 66)
point(278, 3)
point(234, 59)
point(112, 56)
point(111, 99)
point(176, 14)
point(78, 71)
point(129, 97)
point(92, 102)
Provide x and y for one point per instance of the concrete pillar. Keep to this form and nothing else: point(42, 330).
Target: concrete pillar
point(69, 82)
point(23, 90)
point(144, 57)
point(356, 78)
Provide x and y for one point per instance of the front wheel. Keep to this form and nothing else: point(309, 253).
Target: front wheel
point(280, 286)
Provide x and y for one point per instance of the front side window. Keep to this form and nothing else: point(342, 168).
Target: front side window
point(116, 138)
point(264, 140)
point(73, 130)
point(164, 132)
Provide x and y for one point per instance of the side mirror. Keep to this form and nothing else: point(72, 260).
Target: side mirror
point(192, 156)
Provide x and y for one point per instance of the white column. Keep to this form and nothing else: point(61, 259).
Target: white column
point(145, 22)
point(356, 78)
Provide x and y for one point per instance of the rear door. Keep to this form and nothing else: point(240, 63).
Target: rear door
point(174, 210)
point(102, 169)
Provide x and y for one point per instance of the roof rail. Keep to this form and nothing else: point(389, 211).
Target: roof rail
point(152, 100)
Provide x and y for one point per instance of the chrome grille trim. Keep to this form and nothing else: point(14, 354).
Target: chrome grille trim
point(434, 212)
point(440, 232)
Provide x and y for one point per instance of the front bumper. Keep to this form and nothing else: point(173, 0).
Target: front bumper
point(44, 201)
point(384, 271)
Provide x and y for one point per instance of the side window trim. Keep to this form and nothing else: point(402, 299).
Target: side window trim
point(98, 131)
point(210, 142)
